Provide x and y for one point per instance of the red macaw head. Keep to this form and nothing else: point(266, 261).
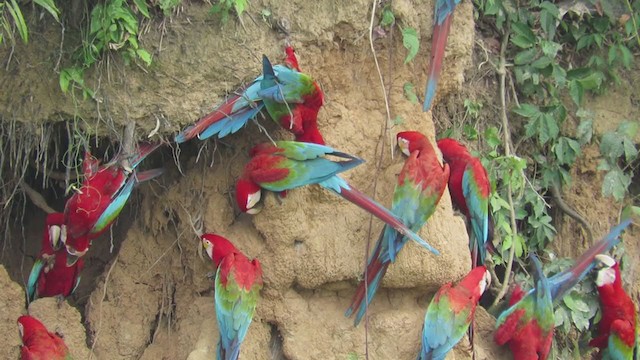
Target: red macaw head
point(56, 230)
point(217, 247)
point(477, 281)
point(248, 196)
point(410, 141)
point(28, 325)
point(76, 248)
point(450, 147)
point(608, 272)
point(291, 60)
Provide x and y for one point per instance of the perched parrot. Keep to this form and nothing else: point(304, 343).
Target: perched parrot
point(50, 275)
point(529, 323)
point(286, 165)
point(291, 98)
point(103, 194)
point(450, 313)
point(443, 14)
point(470, 191)
point(420, 186)
point(237, 288)
point(619, 324)
point(40, 344)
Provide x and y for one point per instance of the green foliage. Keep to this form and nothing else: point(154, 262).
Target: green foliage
point(224, 7)
point(11, 17)
point(411, 42)
point(472, 108)
point(388, 17)
point(410, 93)
point(557, 57)
point(618, 151)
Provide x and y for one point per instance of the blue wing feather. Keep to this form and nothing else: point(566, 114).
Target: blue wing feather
point(479, 212)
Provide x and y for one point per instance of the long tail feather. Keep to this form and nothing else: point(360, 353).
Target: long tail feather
point(438, 45)
point(363, 201)
point(565, 280)
point(376, 269)
point(144, 150)
point(32, 283)
point(142, 176)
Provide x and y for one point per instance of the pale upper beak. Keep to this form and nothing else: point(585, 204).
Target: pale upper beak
point(605, 260)
point(252, 202)
point(73, 255)
point(54, 236)
point(403, 144)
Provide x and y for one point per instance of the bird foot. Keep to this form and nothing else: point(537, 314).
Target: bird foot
point(59, 301)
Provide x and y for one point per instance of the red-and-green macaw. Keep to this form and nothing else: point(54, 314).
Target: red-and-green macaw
point(528, 325)
point(38, 343)
point(50, 275)
point(470, 191)
point(103, 194)
point(450, 313)
point(286, 165)
point(420, 186)
point(443, 14)
point(237, 288)
point(617, 329)
point(291, 98)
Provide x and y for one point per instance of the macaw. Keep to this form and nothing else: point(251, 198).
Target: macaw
point(238, 283)
point(291, 98)
point(443, 14)
point(104, 192)
point(528, 324)
point(50, 275)
point(40, 344)
point(420, 186)
point(470, 191)
point(286, 165)
point(619, 324)
point(450, 313)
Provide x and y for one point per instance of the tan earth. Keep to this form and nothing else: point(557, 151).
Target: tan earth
point(149, 296)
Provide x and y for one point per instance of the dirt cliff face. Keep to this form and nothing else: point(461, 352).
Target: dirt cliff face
point(149, 296)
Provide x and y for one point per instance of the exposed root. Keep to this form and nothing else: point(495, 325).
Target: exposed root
point(36, 198)
point(562, 205)
point(104, 295)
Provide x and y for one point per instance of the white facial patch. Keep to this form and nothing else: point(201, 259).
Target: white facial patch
point(208, 247)
point(606, 260)
point(485, 282)
point(403, 144)
point(63, 234)
point(606, 276)
point(21, 330)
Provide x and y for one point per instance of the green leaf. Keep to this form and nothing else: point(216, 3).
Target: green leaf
point(611, 145)
point(410, 93)
point(470, 132)
point(388, 18)
point(629, 128)
point(521, 41)
point(525, 57)
point(615, 184)
point(548, 16)
point(411, 43)
point(18, 19)
point(542, 62)
point(144, 56)
point(492, 137)
point(398, 120)
point(585, 131)
point(576, 91)
point(566, 150)
point(142, 7)
point(523, 30)
point(528, 111)
point(50, 6)
point(240, 6)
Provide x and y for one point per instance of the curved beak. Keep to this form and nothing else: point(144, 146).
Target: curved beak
point(605, 261)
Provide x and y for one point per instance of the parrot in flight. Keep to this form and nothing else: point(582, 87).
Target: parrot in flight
point(237, 284)
point(40, 344)
point(104, 192)
point(286, 165)
point(470, 191)
point(291, 98)
point(443, 14)
point(50, 275)
point(420, 186)
point(617, 330)
point(450, 313)
point(529, 323)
